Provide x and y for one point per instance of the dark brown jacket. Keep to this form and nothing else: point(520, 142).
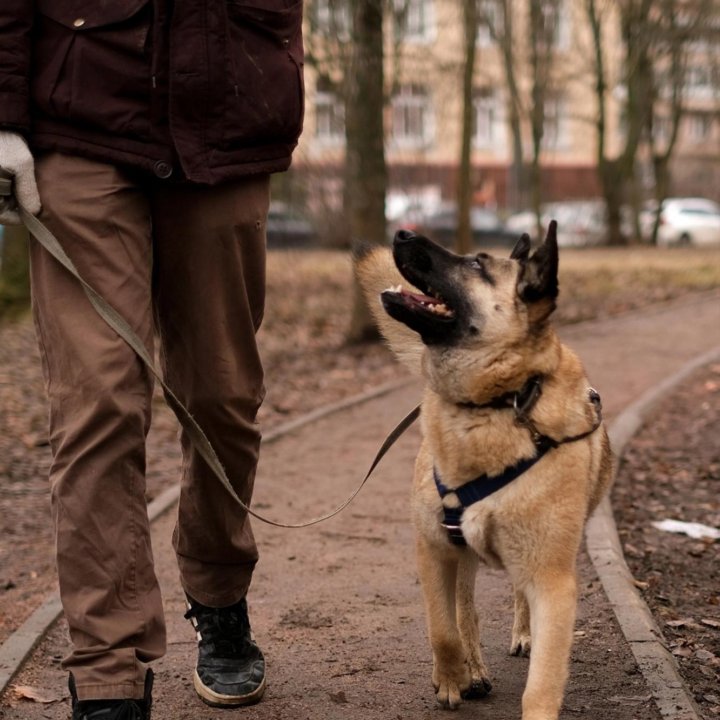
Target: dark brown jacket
point(208, 89)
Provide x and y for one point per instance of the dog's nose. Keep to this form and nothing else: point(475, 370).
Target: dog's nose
point(404, 236)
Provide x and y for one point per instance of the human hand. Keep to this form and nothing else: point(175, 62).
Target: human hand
point(16, 159)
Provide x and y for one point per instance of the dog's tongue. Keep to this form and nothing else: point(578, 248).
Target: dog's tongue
point(419, 297)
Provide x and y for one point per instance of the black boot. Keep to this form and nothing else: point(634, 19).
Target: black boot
point(112, 709)
point(231, 668)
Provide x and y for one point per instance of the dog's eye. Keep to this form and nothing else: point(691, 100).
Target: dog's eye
point(478, 263)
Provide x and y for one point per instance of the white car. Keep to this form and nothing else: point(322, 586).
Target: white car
point(581, 223)
point(685, 221)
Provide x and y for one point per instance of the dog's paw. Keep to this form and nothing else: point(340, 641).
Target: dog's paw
point(520, 645)
point(479, 688)
point(448, 694)
point(450, 685)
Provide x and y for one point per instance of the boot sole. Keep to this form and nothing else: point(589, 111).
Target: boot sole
point(214, 699)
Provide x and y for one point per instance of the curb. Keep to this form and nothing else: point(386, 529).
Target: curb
point(16, 649)
point(636, 622)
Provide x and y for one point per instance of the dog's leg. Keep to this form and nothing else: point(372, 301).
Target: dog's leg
point(438, 577)
point(468, 625)
point(552, 597)
point(520, 643)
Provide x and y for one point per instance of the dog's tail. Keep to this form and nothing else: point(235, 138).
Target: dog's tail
point(376, 272)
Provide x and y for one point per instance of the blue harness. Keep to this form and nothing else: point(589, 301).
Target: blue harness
point(485, 485)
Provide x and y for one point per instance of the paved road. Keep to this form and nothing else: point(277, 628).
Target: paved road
point(337, 607)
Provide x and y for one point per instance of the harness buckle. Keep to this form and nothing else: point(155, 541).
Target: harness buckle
point(455, 534)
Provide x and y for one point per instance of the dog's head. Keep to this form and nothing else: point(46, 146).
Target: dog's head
point(470, 323)
point(470, 301)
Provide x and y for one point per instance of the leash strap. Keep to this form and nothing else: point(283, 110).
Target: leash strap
point(190, 425)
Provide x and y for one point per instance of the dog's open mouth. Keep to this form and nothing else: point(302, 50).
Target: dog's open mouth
point(431, 304)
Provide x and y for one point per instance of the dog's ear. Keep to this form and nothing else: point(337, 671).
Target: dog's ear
point(538, 280)
point(521, 251)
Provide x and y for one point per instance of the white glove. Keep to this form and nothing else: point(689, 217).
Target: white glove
point(16, 159)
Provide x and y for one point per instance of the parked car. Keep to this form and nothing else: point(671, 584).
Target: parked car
point(441, 225)
point(287, 227)
point(683, 221)
point(580, 222)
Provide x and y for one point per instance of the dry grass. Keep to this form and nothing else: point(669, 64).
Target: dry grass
point(309, 291)
point(604, 281)
point(309, 297)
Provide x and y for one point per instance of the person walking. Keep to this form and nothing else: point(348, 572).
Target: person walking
point(144, 133)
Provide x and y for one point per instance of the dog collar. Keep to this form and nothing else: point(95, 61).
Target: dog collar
point(522, 400)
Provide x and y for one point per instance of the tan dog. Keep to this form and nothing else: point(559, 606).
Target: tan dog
point(507, 408)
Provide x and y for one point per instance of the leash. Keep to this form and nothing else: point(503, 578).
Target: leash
point(190, 425)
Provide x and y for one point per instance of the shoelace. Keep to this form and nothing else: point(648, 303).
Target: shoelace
point(227, 630)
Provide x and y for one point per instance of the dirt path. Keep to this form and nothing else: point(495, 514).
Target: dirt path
point(337, 608)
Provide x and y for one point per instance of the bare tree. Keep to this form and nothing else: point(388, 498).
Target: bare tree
point(678, 28)
point(464, 233)
point(617, 171)
point(498, 17)
point(365, 167)
point(543, 32)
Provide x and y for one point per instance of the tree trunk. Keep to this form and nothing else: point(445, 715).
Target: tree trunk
point(518, 190)
point(14, 271)
point(464, 201)
point(613, 183)
point(365, 169)
point(662, 186)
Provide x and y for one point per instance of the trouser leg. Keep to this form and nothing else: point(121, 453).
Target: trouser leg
point(209, 301)
point(99, 398)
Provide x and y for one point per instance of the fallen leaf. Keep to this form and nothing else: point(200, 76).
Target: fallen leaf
point(682, 652)
point(35, 440)
point(679, 623)
point(40, 695)
point(711, 623)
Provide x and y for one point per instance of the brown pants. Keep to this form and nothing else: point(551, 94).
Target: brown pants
point(189, 263)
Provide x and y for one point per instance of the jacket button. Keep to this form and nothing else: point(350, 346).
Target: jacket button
point(79, 22)
point(162, 169)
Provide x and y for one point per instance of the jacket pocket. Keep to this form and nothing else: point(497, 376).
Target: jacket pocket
point(92, 63)
point(265, 54)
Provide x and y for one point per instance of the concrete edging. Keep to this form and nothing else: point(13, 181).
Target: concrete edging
point(637, 624)
point(16, 649)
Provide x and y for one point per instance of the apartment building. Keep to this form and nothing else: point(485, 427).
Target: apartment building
point(424, 56)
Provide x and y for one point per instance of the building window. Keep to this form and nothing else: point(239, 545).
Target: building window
point(699, 81)
point(699, 127)
point(556, 134)
point(414, 20)
point(329, 117)
point(661, 128)
point(485, 118)
point(490, 22)
point(411, 117)
point(555, 18)
point(331, 18)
